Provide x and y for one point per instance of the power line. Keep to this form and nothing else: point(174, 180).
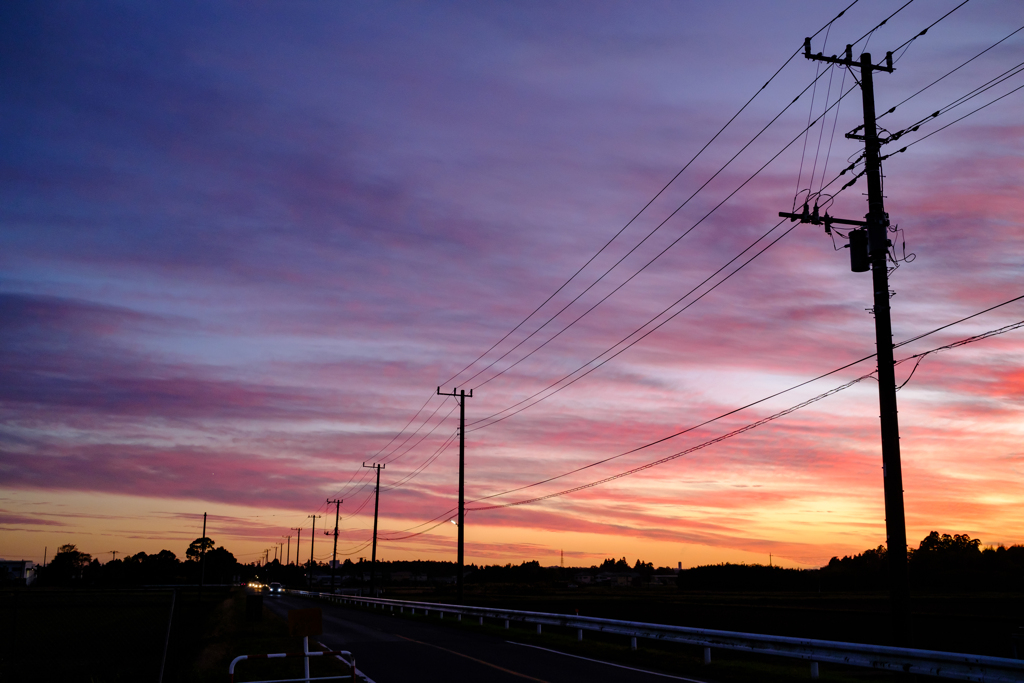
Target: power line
point(494, 416)
point(939, 130)
point(883, 23)
point(648, 204)
point(948, 73)
point(602, 249)
point(674, 456)
point(931, 25)
point(443, 517)
point(441, 449)
point(753, 403)
point(984, 87)
point(748, 427)
point(631, 251)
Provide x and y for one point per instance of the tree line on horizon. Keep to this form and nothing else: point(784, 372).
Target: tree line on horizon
point(70, 566)
point(941, 562)
point(944, 563)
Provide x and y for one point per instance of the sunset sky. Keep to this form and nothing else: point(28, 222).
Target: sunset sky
point(242, 244)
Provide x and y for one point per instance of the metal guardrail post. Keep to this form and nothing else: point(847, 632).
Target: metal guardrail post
point(707, 655)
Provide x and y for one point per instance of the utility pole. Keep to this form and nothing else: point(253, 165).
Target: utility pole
point(376, 508)
point(869, 247)
point(334, 555)
point(461, 397)
point(202, 559)
point(288, 556)
point(298, 537)
point(113, 555)
point(312, 543)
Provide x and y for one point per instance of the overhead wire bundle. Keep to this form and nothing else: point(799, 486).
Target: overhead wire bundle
point(358, 481)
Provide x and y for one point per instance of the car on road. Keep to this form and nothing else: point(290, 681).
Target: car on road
point(275, 588)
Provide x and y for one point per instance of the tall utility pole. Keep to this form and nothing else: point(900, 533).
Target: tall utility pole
point(113, 554)
point(312, 539)
point(461, 396)
point(298, 537)
point(376, 509)
point(334, 556)
point(869, 246)
point(202, 558)
point(288, 554)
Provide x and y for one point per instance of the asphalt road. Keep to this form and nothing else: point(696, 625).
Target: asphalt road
point(390, 649)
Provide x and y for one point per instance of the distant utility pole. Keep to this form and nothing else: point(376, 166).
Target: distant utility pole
point(113, 554)
point(288, 555)
point(202, 558)
point(869, 247)
point(298, 537)
point(376, 509)
point(334, 555)
point(312, 543)
point(461, 397)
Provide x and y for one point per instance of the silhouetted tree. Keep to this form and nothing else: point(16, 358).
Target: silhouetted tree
point(197, 547)
point(66, 566)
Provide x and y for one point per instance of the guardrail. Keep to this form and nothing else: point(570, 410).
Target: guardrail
point(964, 667)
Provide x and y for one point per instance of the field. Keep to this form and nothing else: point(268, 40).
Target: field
point(110, 636)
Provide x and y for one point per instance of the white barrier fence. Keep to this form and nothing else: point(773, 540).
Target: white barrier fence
point(964, 667)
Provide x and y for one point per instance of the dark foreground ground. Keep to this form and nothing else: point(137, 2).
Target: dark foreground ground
point(82, 635)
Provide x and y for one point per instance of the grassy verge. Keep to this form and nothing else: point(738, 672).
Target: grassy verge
point(115, 636)
point(98, 636)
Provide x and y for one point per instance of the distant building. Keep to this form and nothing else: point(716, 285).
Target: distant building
point(18, 570)
point(618, 578)
point(664, 579)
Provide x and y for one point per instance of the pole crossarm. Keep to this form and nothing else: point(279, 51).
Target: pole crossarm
point(815, 219)
point(847, 60)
